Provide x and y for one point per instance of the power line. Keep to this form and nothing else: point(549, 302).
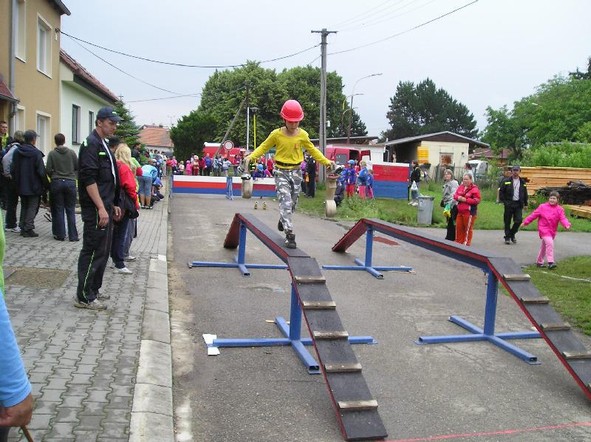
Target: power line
point(178, 95)
point(373, 11)
point(388, 17)
point(163, 98)
point(127, 73)
point(151, 60)
point(406, 31)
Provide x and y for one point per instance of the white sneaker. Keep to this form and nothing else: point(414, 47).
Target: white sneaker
point(94, 305)
point(124, 271)
point(16, 229)
point(129, 258)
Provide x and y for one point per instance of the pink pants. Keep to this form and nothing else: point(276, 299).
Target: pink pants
point(362, 192)
point(546, 250)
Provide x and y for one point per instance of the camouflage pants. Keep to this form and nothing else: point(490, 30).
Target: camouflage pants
point(289, 185)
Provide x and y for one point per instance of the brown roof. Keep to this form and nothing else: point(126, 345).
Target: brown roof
point(61, 8)
point(5, 92)
point(85, 78)
point(438, 136)
point(155, 136)
point(489, 154)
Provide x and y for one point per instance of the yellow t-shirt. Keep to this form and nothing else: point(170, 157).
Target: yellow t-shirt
point(289, 148)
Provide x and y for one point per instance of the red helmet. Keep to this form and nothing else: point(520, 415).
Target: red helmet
point(292, 111)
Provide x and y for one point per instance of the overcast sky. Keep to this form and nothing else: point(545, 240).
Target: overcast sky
point(486, 53)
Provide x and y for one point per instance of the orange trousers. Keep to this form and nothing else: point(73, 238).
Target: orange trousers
point(464, 228)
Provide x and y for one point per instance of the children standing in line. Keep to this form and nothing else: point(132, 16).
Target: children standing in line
point(369, 190)
point(350, 178)
point(362, 179)
point(289, 141)
point(548, 215)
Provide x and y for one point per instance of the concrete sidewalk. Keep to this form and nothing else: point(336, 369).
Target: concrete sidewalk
point(96, 376)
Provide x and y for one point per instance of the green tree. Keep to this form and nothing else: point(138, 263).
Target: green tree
point(578, 75)
point(229, 92)
point(559, 110)
point(303, 84)
point(225, 92)
point(191, 132)
point(503, 132)
point(555, 112)
point(422, 109)
point(127, 130)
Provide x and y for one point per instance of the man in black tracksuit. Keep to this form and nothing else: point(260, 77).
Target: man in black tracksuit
point(513, 194)
point(98, 188)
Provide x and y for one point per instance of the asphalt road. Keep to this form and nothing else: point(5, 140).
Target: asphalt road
point(461, 391)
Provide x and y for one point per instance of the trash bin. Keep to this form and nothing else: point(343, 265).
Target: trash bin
point(425, 212)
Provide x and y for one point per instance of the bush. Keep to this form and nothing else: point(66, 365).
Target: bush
point(559, 155)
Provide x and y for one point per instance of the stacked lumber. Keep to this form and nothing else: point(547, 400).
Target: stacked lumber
point(579, 211)
point(554, 177)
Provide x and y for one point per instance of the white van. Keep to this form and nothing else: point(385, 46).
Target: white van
point(479, 168)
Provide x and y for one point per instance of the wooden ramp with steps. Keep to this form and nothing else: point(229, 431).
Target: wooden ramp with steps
point(558, 334)
point(355, 408)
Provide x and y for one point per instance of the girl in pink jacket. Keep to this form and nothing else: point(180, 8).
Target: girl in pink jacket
point(548, 215)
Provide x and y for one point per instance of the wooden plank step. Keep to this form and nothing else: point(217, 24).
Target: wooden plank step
point(319, 305)
point(363, 425)
point(309, 279)
point(327, 320)
point(342, 368)
point(540, 300)
point(371, 404)
point(516, 277)
point(338, 352)
point(555, 327)
point(568, 355)
point(313, 292)
point(334, 334)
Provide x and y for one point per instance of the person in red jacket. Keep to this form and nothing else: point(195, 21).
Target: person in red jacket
point(128, 186)
point(468, 198)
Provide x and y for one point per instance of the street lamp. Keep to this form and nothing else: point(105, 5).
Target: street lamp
point(351, 106)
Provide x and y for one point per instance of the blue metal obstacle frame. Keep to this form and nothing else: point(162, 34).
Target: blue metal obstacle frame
point(240, 258)
point(455, 251)
point(488, 333)
point(292, 336)
point(292, 330)
point(367, 264)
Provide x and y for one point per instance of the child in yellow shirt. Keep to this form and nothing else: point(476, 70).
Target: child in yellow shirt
point(289, 140)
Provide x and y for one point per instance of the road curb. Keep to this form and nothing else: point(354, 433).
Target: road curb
point(152, 411)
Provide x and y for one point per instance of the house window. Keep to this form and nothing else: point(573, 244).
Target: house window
point(43, 47)
point(43, 136)
point(19, 118)
point(90, 122)
point(21, 30)
point(75, 124)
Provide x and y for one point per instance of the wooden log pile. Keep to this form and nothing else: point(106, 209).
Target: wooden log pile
point(539, 177)
point(575, 192)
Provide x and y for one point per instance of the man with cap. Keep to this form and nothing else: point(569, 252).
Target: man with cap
point(513, 194)
point(98, 188)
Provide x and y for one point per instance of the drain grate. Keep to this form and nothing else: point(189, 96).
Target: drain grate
point(37, 278)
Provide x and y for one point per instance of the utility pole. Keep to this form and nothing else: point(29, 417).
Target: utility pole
point(247, 116)
point(322, 132)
